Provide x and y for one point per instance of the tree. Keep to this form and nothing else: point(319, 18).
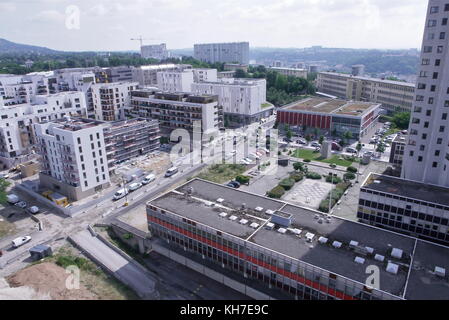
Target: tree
point(3, 185)
point(380, 148)
point(298, 166)
point(240, 73)
point(347, 135)
point(401, 120)
point(308, 138)
point(321, 140)
point(359, 147)
point(289, 134)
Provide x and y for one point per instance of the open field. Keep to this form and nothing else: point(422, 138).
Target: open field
point(220, 173)
point(307, 154)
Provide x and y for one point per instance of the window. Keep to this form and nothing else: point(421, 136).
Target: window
point(444, 22)
point(426, 124)
point(440, 49)
point(437, 62)
point(431, 100)
point(424, 136)
point(433, 88)
point(428, 113)
point(427, 49)
point(431, 23)
point(425, 62)
point(435, 164)
point(442, 35)
point(79, 140)
point(421, 86)
point(437, 153)
point(422, 147)
point(434, 9)
point(444, 117)
point(446, 103)
point(435, 75)
point(446, 7)
point(439, 141)
point(442, 128)
point(419, 159)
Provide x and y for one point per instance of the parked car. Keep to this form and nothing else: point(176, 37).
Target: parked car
point(149, 178)
point(336, 146)
point(351, 150)
point(254, 156)
point(33, 210)
point(12, 198)
point(20, 241)
point(287, 140)
point(21, 204)
point(315, 145)
point(120, 193)
point(369, 153)
point(300, 141)
point(172, 171)
point(134, 186)
point(235, 184)
point(243, 161)
point(4, 175)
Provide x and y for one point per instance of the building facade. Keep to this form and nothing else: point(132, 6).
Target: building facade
point(175, 81)
point(397, 152)
point(244, 101)
point(426, 157)
point(235, 52)
point(292, 72)
point(155, 51)
point(332, 115)
point(146, 76)
point(205, 75)
point(74, 160)
point(177, 110)
point(395, 96)
point(110, 100)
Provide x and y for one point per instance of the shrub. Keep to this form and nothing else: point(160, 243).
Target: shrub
point(313, 175)
point(276, 192)
point(333, 165)
point(349, 176)
point(297, 176)
point(334, 180)
point(352, 169)
point(307, 160)
point(298, 166)
point(242, 179)
point(287, 184)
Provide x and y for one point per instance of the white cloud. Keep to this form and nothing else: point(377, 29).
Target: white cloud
point(48, 16)
point(7, 7)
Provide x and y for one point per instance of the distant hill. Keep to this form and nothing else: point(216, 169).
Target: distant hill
point(12, 47)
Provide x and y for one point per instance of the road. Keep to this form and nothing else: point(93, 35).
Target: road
point(127, 272)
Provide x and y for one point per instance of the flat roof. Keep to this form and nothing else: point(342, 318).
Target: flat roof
point(331, 106)
point(407, 188)
point(194, 201)
point(400, 83)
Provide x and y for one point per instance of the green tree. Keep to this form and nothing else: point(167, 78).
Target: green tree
point(359, 147)
point(380, 148)
point(347, 136)
point(3, 186)
point(321, 140)
point(298, 166)
point(401, 120)
point(240, 73)
point(289, 134)
point(308, 138)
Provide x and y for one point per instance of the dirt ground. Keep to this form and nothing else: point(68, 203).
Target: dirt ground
point(48, 278)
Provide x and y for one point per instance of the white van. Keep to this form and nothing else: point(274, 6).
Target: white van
point(170, 172)
point(20, 241)
point(121, 193)
point(149, 178)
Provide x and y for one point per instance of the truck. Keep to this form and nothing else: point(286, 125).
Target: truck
point(12, 198)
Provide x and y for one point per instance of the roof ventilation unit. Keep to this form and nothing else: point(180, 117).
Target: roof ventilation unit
point(232, 218)
point(259, 209)
point(309, 237)
point(243, 206)
point(359, 260)
point(441, 272)
point(337, 244)
point(379, 257)
point(296, 232)
point(243, 221)
point(269, 212)
point(254, 225)
point(282, 219)
point(282, 230)
point(220, 200)
point(369, 250)
point(392, 268)
point(396, 253)
point(269, 226)
point(223, 214)
point(323, 240)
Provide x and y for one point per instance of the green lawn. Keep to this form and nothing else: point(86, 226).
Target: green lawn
point(316, 156)
point(220, 173)
point(265, 105)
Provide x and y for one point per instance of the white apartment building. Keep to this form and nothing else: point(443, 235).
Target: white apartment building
point(155, 51)
point(395, 96)
point(426, 157)
point(16, 123)
point(222, 52)
point(74, 160)
point(243, 100)
point(175, 81)
point(18, 89)
point(293, 72)
point(146, 76)
point(111, 99)
point(205, 75)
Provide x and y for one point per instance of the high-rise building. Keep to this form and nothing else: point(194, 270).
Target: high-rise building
point(426, 157)
point(235, 52)
point(175, 81)
point(155, 51)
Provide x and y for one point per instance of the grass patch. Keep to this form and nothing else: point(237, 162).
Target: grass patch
point(6, 229)
point(316, 156)
point(265, 105)
point(220, 173)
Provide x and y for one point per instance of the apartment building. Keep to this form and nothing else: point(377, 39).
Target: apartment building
point(235, 67)
point(125, 140)
point(146, 76)
point(290, 72)
point(426, 157)
point(114, 74)
point(235, 52)
point(244, 101)
point(110, 100)
point(334, 116)
point(412, 208)
point(395, 96)
point(397, 151)
point(21, 89)
point(74, 160)
point(155, 51)
point(177, 110)
point(268, 249)
point(175, 81)
point(17, 136)
point(205, 75)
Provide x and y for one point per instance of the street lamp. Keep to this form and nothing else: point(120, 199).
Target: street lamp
point(126, 192)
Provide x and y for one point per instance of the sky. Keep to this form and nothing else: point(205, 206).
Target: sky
point(108, 25)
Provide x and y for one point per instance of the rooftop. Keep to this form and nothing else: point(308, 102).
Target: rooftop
point(203, 202)
point(407, 188)
point(331, 106)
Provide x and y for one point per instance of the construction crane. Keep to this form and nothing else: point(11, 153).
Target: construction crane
point(142, 39)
